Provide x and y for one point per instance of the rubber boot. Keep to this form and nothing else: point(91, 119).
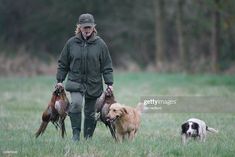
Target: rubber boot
point(89, 127)
point(75, 119)
point(90, 121)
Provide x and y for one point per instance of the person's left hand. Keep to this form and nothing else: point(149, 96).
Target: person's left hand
point(59, 84)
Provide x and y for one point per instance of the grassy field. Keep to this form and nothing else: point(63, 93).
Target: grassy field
point(22, 101)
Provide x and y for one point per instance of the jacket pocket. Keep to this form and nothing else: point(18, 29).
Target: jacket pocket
point(94, 86)
point(73, 86)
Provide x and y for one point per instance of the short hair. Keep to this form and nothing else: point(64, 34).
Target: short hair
point(78, 30)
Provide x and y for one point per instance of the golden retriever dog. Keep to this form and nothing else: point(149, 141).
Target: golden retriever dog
point(125, 119)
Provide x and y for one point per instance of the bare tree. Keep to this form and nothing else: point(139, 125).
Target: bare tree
point(159, 34)
point(180, 33)
point(215, 36)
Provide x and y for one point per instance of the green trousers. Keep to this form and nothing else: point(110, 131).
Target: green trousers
point(75, 113)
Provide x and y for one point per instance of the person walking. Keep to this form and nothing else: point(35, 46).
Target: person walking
point(86, 62)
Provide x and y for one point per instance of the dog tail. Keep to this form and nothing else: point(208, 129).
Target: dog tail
point(211, 129)
point(140, 107)
point(42, 128)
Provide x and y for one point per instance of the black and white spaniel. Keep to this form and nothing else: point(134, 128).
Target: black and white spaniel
point(195, 128)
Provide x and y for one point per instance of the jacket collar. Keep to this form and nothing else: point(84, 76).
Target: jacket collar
point(92, 39)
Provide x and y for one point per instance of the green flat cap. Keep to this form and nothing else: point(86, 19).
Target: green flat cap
point(86, 20)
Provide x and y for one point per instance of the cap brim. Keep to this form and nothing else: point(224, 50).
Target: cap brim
point(87, 25)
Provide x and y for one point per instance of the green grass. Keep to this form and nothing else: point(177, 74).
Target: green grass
point(22, 101)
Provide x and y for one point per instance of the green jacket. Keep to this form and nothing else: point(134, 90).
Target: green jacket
point(85, 62)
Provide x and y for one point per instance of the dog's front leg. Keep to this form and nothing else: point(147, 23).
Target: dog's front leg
point(184, 139)
point(119, 137)
point(203, 137)
point(132, 135)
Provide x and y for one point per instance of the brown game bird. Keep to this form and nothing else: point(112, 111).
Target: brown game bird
point(56, 111)
point(103, 104)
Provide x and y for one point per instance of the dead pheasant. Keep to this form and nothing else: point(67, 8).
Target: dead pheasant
point(103, 104)
point(56, 111)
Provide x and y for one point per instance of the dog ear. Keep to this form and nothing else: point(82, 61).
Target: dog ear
point(124, 111)
point(184, 127)
point(196, 127)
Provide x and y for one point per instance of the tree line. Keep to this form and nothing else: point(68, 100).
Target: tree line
point(165, 35)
